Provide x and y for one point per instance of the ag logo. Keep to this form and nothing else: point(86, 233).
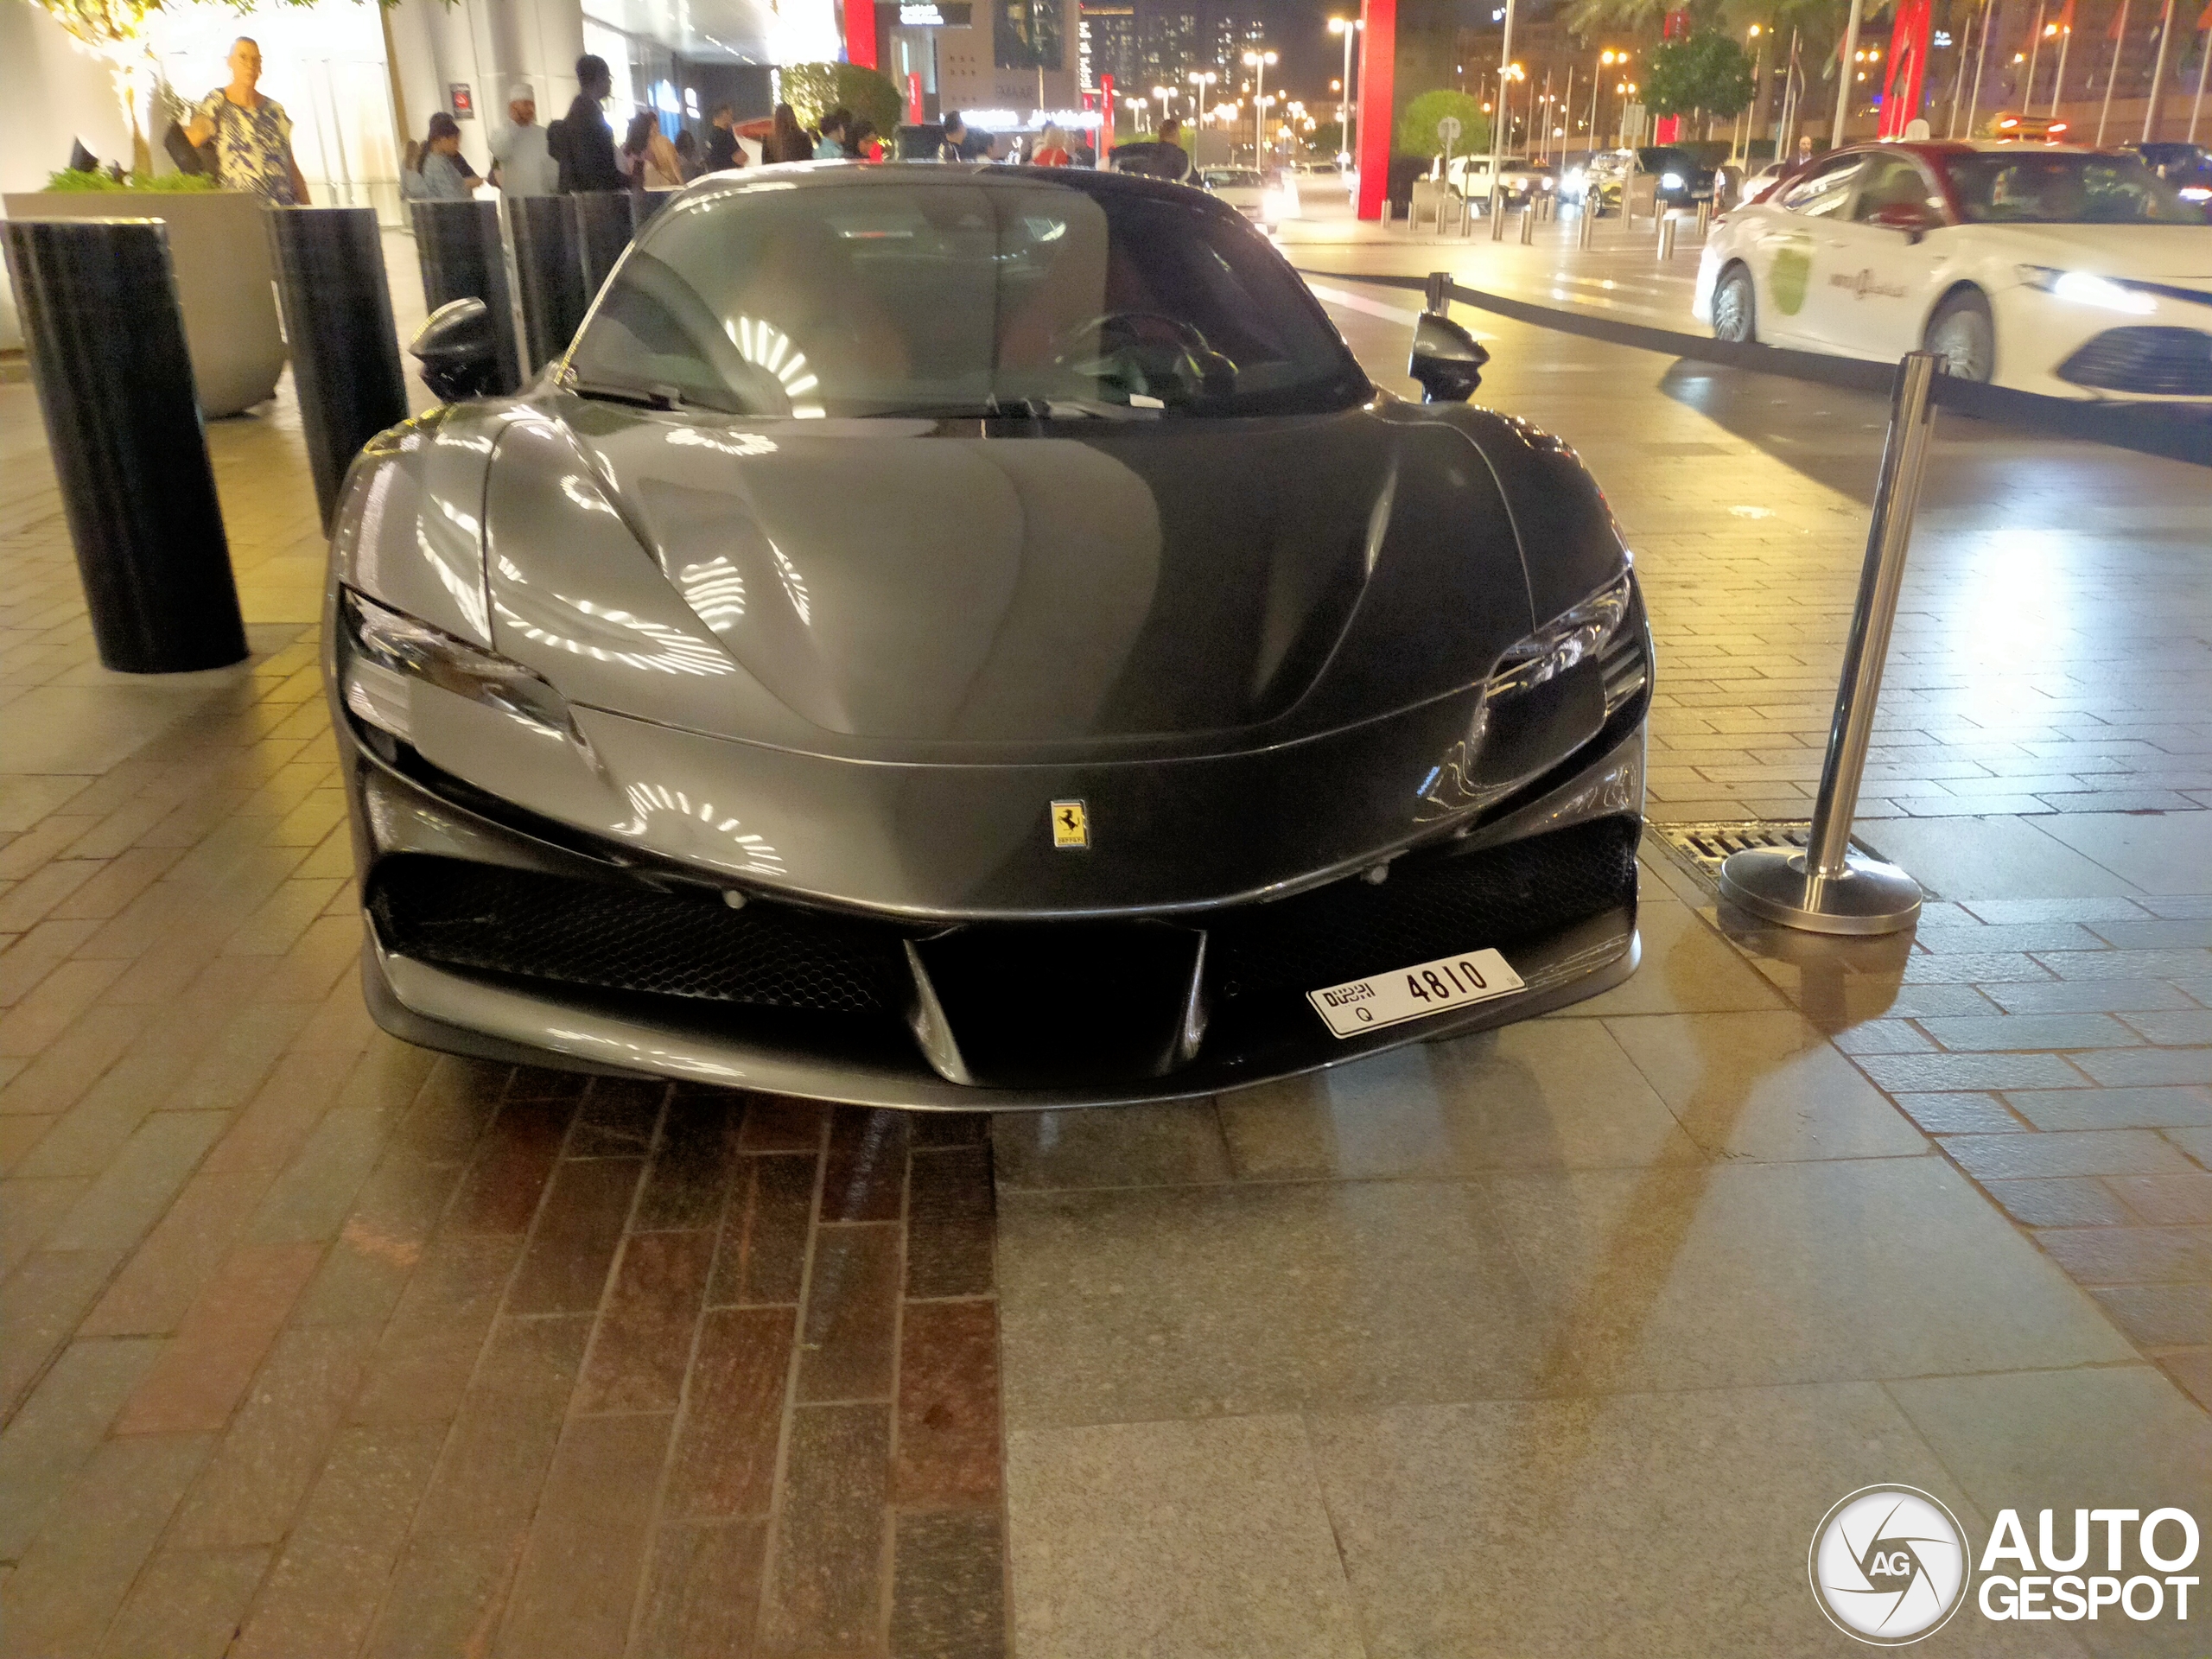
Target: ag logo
point(1888, 1565)
point(1070, 826)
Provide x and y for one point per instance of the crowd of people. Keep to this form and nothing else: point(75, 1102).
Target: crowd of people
point(246, 139)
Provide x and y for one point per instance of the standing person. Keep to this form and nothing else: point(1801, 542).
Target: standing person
point(724, 151)
point(862, 140)
point(1051, 149)
point(252, 134)
point(586, 150)
point(1163, 158)
point(787, 140)
point(650, 160)
point(445, 176)
point(955, 147)
point(522, 162)
point(834, 133)
point(687, 152)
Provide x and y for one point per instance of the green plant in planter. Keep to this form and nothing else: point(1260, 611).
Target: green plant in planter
point(69, 179)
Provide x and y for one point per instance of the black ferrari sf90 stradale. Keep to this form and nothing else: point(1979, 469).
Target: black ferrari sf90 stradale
point(973, 637)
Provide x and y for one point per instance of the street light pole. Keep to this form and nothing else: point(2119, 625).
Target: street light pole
point(1346, 27)
point(1845, 71)
point(1497, 122)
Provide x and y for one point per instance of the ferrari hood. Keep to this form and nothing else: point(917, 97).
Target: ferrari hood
point(868, 586)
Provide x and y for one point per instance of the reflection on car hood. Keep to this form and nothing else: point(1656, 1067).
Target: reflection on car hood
point(886, 588)
point(2182, 250)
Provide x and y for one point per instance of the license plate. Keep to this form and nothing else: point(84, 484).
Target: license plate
point(1407, 994)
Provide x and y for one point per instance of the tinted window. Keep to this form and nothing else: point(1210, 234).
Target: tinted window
point(916, 292)
point(1825, 191)
point(2041, 188)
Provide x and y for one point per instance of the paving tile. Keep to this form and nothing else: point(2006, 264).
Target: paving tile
point(58, 1428)
point(948, 1593)
point(1457, 1524)
point(445, 1593)
point(2180, 1026)
point(1142, 1146)
point(1897, 1036)
point(2131, 1255)
point(2161, 1316)
point(948, 1419)
point(203, 1373)
point(1687, 968)
point(949, 1230)
point(265, 1462)
point(40, 1303)
point(2126, 965)
point(2192, 1066)
point(688, 1176)
point(1911, 1073)
point(186, 1603)
point(2166, 1199)
point(724, 1459)
point(643, 1345)
point(824, 1587)
point(74, 1577)
point(500, 1191)
point(1175, 1539)
point(506, 1429)
point(578, 1582)
point(2061, 1201)
point(2085, 1152)
point(849, 1332)
point(118, 1208)
point(2020, 1031)
point(1959, 1114)
point(864, 1176)
point(2087, 996)
point(617, 1119)
point(436, 1331)
point(1764, 1086)
point(777, 1123)
point(763, 1257)
point(571, 1250)
point(703, 1591)
point(2147, 1108)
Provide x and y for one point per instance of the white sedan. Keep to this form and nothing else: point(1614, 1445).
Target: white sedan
point(2076, 273)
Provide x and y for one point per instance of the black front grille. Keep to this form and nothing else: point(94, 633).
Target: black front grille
point(1431, 905)
point(495, 919)
point(2148, 362)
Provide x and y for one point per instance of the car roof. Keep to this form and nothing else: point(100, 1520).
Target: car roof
point(989, 175)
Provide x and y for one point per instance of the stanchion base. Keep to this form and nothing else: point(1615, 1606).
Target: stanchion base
point(1869, 897)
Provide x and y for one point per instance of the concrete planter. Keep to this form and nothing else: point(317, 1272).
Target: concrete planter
point(219, 248)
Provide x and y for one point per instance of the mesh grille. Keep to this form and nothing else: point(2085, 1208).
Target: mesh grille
point(629, 938)
point(1427, 909)
point(2150, 362)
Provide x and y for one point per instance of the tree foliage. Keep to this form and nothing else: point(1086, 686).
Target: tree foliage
point(1416, 133)
point(814, 89)
point(1703, 70)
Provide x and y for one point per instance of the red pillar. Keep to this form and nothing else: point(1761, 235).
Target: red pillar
point(1901, 93)
point(860, 33)
point(1379, 63)
point(914, 98)
point(1106, 117)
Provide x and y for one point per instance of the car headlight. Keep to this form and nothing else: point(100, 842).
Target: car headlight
point(383, 655)
point(1670, 181)
point(2082, 287)
point(1577, 633)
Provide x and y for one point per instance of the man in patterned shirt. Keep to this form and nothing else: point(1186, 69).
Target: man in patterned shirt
point(252, 134)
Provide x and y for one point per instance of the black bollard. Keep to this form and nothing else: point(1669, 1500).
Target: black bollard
point(550, 274)
point(457, 245)
point(604, 226)
point(345, 347)
point(106, 335)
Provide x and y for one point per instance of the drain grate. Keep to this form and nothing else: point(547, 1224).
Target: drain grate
point(1701, 849)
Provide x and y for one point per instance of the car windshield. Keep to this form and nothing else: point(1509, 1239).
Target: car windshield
point(915, 291)
point(2041, 188)
point(1235, 178)
point(1665, 161)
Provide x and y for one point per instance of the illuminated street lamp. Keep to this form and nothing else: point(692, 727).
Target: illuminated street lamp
point(1347, 27)
point(1257, 61)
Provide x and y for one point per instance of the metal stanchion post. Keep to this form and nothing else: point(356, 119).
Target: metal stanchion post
point(551, 276)
point(1529, 225)
point(1497, 214)
point(105, 335)
point(1665, 238)
point(337, 309)
point(604, 227)
point(1828, 888)
point(1436, 294)
point(457, 244)
point(1586, 230)
point(1704, 218)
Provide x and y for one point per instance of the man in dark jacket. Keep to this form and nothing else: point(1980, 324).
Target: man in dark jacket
point(1161, 158)
point(584, 146)
point(724, 151)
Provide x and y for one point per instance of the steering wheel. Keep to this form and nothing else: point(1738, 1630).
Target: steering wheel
point(1189, 361)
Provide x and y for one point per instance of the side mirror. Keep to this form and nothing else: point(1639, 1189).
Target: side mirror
point(457, 349)
point(1913, 220)
point(1445, 360)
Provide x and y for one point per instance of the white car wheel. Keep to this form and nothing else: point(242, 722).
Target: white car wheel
point(1964, 335)
point(1735, 314)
